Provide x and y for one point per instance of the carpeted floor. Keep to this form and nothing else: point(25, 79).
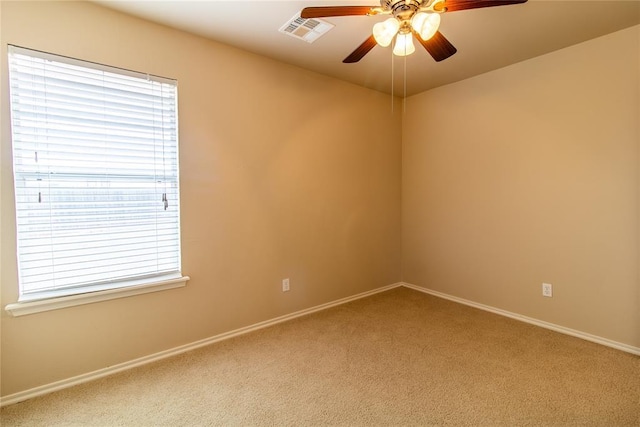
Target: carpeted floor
point(398, 358)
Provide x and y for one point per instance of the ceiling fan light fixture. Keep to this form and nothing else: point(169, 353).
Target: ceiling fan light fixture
point(419, 17)
point(404, 45)
point(426, 24)
point(384, 31)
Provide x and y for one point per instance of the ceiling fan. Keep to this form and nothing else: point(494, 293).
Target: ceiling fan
point(410, 18)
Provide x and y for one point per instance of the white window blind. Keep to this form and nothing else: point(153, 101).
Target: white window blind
point(95, 156)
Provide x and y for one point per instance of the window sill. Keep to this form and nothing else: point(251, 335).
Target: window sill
point(23, 308)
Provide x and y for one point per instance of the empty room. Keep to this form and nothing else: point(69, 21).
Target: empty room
point(354, 213)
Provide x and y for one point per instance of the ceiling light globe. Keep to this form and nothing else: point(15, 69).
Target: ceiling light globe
point(384, 31)
point(418, 20)
point(427, 25)
point(404, 45)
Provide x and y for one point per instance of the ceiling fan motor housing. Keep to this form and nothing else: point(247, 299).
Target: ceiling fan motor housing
point(402, 9)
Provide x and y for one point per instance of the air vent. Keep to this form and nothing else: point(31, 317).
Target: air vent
point(308, 30)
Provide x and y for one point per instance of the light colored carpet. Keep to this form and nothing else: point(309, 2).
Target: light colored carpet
point(396, 358)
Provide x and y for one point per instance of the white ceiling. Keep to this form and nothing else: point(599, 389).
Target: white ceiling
point(486, 39)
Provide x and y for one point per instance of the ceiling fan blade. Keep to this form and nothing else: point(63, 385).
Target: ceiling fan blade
point(453, 5)
point(361, 51)
point(438, 46)
point(326, 11)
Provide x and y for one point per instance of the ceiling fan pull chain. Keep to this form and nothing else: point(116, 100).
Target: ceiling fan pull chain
point(392, 82)
point(404, 96)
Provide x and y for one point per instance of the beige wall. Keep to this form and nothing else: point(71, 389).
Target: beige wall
point(282, 175)
point(529, 174)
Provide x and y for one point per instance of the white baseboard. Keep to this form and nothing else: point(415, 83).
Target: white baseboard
point(100, 373)
point(567, 331)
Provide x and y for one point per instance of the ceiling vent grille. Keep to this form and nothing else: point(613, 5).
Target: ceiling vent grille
point(308, 30)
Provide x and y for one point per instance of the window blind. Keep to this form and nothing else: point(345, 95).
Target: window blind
point(95, 156)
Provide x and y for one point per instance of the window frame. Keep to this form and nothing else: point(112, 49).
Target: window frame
point(51, 299)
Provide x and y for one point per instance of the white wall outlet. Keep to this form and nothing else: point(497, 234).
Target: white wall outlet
point(547, 290)
point(285, 285)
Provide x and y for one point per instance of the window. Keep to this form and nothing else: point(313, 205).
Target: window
point(95, 158)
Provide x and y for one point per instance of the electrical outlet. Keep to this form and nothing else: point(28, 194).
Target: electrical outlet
point(285, 285)
point(547, 290)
